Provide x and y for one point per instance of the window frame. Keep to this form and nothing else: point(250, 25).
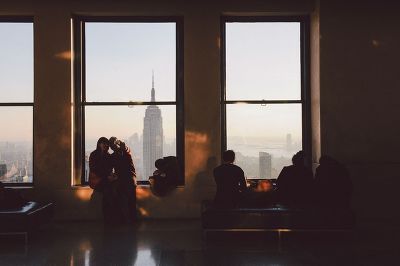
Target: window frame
point(305, 99)
point(80, 88)
point(24, 19)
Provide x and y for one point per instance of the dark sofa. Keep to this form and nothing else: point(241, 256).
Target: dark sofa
point(25, 219)
point(275, 217)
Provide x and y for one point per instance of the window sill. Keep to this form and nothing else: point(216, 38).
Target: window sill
point(18, 187)
point(78, 187)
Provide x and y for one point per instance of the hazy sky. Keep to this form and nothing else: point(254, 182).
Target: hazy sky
point(16, 80)
point(263, 62)
point(16, 62)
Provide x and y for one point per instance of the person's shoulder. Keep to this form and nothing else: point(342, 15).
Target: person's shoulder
point(93, 154)
point(287, 168)
point(238, 168)
point(285, 172)
point(218, 168)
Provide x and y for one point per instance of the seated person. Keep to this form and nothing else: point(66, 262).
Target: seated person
point(294, 183)
point(230, 180)
point(166, 177)
point(333, 187)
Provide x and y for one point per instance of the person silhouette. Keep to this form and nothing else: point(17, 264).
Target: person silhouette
point(294, 183)
point(100, 172)
point(99, 165)
point(230, 180)
point(125, 183)
point(165, 179)
point(333, 186)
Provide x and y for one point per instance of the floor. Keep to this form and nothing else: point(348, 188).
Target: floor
point(180, 242)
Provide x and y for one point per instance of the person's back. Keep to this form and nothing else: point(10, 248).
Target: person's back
point(230, 182)
point(333, 187)
point(295, 182)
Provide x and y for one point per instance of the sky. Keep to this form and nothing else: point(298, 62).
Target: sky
point(262, 62)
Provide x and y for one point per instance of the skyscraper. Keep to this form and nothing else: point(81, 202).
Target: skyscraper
point(265, 165)
point(153, 136)
point(289, 145)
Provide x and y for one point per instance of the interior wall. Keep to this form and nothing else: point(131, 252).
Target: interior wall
point(360, 86)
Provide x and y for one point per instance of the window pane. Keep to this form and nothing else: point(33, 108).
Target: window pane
point(120, 58)
point(269, 138)
point(16, 144)
point(263, 61)
point(127, 123)
point(16, 62)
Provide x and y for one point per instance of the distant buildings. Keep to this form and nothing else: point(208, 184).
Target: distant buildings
point(3, 171)
point(153, 136)
point(265, 164)
point(16, 162)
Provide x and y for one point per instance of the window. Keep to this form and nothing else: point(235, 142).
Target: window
point(129, 85)
point(265, 92)
point(16, 101)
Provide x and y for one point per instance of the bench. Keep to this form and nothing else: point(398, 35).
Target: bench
point(25, 219)
point(276, 218)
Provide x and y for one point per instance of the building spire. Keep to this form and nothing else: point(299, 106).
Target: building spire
point(153, 92)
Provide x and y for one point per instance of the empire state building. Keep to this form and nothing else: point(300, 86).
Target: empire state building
point(152, 136)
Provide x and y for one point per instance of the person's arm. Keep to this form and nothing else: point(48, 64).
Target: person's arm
point(242, 181)
point(128, 157)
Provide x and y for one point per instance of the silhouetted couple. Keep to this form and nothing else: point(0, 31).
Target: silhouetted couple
point(114, 176)
point(331, 187)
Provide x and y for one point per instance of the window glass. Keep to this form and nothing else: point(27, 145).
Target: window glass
point(16, 144)
point(264, 138)
point(16, 62)
point(120, 59)
point(149, 132)
point(263, 61)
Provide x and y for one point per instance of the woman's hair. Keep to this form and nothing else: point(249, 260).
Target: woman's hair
point(102, 140)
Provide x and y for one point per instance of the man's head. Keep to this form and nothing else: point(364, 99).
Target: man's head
point(228, 156)
point(298, 158)
point(114, 144)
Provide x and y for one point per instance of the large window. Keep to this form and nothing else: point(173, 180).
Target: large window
point(129, 85)
point(264, 98)
point(16, 101)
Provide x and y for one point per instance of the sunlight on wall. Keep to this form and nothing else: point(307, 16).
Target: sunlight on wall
point(376, 43)
point(65, 55)
point(83, 194)
point(142, 193)
point(143, 212)
point(197, 151)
